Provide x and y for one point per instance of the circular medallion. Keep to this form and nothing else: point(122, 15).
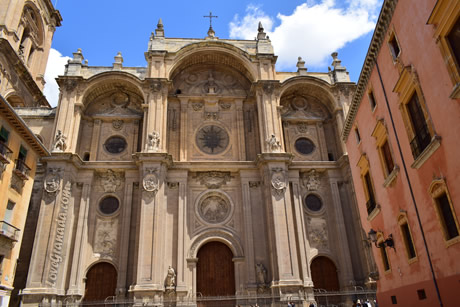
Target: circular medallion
point(115, 144)
point(51, 183)
point(120, 99)
point(214, 208)
point(313, 202)
point(304, 146)
point(212, 139)
point(109, 205)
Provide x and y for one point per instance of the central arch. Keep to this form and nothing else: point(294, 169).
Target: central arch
point(215, 274)
point(101, 282)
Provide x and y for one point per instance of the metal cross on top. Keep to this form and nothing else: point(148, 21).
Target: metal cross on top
point(210, 18)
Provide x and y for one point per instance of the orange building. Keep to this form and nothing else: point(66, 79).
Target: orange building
point(402, 138)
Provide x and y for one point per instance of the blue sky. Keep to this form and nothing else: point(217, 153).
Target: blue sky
point(311, 29)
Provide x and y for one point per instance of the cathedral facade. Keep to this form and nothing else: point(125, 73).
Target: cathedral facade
point(206, 173)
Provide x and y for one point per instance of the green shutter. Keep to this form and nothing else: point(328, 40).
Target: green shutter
point(4, 135)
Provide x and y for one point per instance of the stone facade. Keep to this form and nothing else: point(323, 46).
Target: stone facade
point(208, 143)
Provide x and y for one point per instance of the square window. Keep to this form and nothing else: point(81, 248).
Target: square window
point(394, 46)
point(372, 100)
point(421, 294)
point(4, 134)
point(447, 217)
point(410, 248)
point(358, 136)
point(393, 300)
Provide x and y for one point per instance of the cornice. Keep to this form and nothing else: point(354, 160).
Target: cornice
point(381, 28)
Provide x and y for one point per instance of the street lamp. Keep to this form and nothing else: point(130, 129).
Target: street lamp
point(372, 236)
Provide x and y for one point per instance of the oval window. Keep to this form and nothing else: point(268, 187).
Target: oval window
point(109, 205)
point(304, 146)
point(115, 144)
point(313, 202)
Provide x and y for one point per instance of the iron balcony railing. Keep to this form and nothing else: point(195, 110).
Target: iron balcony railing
point(9, 231)
point(22, 170)
point(5, 153)
point(421, 141)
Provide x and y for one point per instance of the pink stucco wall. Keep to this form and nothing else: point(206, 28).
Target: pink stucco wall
point(419, 49)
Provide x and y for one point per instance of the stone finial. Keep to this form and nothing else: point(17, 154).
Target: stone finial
point(261, 34)
point(335, 60)
point(118, 61)
point(77, 57)
point(301, 69)
point(159, 31)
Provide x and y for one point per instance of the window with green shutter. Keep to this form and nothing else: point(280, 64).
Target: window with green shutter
point(4, 135)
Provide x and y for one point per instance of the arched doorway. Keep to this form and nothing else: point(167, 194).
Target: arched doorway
point(215, 273)
point(324, 274)
point(101, 282)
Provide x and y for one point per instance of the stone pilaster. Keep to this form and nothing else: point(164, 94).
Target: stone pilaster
point(150, 279)
point(76, 285)
point(281, 224)
point(344, 259)
point(304, 245)
point(156, 119)
point(267, 94)
point(48, 269)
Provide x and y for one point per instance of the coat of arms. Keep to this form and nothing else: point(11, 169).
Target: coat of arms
point(151, 182)
point(278, 180)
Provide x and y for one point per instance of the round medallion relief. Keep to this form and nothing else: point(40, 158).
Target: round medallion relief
point(212, 139)
point(214, 208)
point(304, 146)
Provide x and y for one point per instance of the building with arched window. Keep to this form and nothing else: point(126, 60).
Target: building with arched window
point(26, 30)
point(205, 173)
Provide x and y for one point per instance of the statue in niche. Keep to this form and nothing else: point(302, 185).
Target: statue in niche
point(273, 144)
point(59, 142)
point(211, 86)
point(153, 142)
point(311, 181)
point(261, 278)
point(111, 181)
point(170, 280)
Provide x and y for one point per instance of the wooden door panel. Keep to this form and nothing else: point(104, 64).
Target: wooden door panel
point(324, 274)
point(101, 282)
point(215, 270)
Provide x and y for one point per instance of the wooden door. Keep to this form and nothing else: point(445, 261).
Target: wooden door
point(215, 273)
point(324, 274)
point(101, 282)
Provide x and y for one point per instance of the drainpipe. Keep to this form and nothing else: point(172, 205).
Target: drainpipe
point(410, 187)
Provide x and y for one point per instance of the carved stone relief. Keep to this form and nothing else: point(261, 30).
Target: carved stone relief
point(210, 82)
point(105, 241)
point(214, 208)
point(59, 142)
point(110, 181)
point(278, 181)
point(254, 184)
point(117, 124)
point(52, 180)
point(225, 105)
point(301, 108)
point(153, 142)
point(116, 104)
point(211, 115)
point(197, 106)
point(261, 278)
point(213, 180)
point(311, 180)
point(317, 230)
point(151, 182)
point(170, 281)
point(273, 144)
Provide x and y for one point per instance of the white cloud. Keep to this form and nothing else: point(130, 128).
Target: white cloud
point(314, 30)
point(55, 67)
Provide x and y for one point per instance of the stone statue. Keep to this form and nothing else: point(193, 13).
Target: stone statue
point(273, 144)
point(170, 281)
point(59, 142)
point(261, 274)
point(153, 142)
